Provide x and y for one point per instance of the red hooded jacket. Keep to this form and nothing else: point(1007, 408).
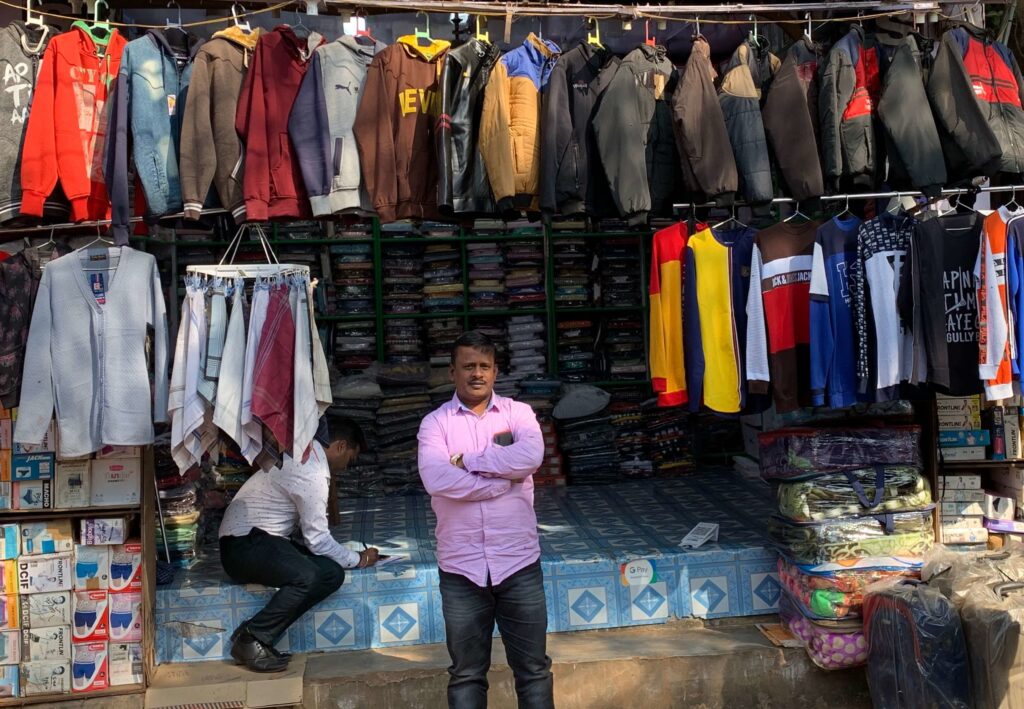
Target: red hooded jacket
point(273, 185)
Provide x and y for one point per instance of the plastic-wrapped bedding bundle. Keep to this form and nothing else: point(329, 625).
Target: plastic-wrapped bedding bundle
point(991, 617)
point(854, 493)
point(792, 453)
point(901, 534)
point(834, 595)
point(917, 655)
point(953, 573)
point(831, 645)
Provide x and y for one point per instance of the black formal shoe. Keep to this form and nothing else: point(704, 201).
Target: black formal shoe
point(256, 656)
point(247, 637)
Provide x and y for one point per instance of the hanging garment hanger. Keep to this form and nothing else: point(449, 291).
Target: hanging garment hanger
point(482, 35)
point(35, 21)
point(423, 35)
point(796, 214)
point(299, 28)
point(809, 32)
point(649, 39)
point(696, 28)
point(174, 25)
point(846, 209)
point(100, 239)
point(364, 31)
point(594, 33)
point(240, 24)
point(1013, 205)
point(730, 219)
point(100, 32)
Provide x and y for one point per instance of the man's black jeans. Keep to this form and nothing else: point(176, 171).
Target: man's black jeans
point(302, 578)
point(519, 607)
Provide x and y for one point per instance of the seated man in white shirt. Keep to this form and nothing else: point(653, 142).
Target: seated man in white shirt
point(255, 544)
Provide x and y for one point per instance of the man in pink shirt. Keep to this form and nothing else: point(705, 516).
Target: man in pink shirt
point(477, 457)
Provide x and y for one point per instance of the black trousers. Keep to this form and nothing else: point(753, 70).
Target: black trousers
point(302, 578)
point(519, 607)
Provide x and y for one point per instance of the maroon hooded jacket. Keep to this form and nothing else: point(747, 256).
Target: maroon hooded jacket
point(273, 185)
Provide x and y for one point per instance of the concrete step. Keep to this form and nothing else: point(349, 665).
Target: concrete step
point(689, 664)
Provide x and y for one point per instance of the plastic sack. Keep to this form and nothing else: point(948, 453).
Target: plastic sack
point(906, 534)
point(835, 595)
point(831, 645)
point(853, 493)
point(953, 573)
point(991, 617)
point(792, 453)
point(917, 654)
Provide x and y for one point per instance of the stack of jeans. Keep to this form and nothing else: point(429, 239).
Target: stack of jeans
point(550, 472)
point(406, 400)
point(442, 278)
point(586, 436)
point(524, 279)
point(358, 398)
point(402, 266)
point(620, 272)
point(622, 348)
point(403, 340)
point(671, 441)
point(486, 276)
point(355, 346)
point(631, 438)
point(494, 328)
point(527, 345)
point(577, 339)
point(574, 268)
point(179, 502)
point(440, 334)
point(352, 265)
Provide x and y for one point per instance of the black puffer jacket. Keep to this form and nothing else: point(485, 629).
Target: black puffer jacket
point(631, 133)
point(791, 120)
point(571, 179)
point(740, 96)
point(462, 185)
point(975, 90)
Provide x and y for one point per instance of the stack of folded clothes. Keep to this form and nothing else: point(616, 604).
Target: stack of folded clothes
point(355, 346)
point(574, 266)
point(494, 328)
point(442, 278)
point(719, 438)
point(352, 266)
point(222, 479)
point(631, 439)
point(550, 472)
point(402, 266)
point(440, 334)
point(577, 340)
point(670, 437)
point(527, 346)
point(586, 436)
point(358, 398)
point(486, 276)
point(524, 278)
point(403, 340)
point(405, 390)
point(620, 273)
point(180, 505)
point(540, 393)
point(622, 348)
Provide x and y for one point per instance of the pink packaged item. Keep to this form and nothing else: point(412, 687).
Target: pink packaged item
point(831, 645)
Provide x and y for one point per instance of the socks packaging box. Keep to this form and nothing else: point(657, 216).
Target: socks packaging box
point(45, 678)
point(10, 647)
point(125, 616)
point(125, 663)
point(46, 644)
point(50, 537)
point(116, 481)
point(41, 610)
point(72, 484)
point(92, 567)
point(10, 541)
point(90, 667)
point(91, 616)
point(44, 573)
point(105, 530)
point(126, 567)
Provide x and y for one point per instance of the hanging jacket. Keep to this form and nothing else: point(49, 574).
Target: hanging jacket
point(272, 181)
point(321, 123)
point(997, 350)
point(791, 121)
point(67, 125)
point(740, 96)
point(705, 153)
point(975, 89)
point(668, 369)
point(510, 124)
point(912, 141)
point(462, 185)
point(623, 127)
point(211, 152)
point(393, 131)
point(148, 102)
point(850, 87)
point(21, 50)
point(572, 179)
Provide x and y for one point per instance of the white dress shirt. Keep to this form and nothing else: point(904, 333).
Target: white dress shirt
point(282, 500)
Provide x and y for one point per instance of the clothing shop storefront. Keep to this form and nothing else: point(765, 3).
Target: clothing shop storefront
point(759, 282)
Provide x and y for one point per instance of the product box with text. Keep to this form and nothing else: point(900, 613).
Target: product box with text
point(72, 486)
point(125, 663)
point(10, 541)
point(10, 681)
point(52, 643)
point(91, 616)
point(10, 647)
point(8, 576)
point(126, 567)
point(32, 495)
point(92, 568)
point(45, 573)
point(125, 616)
point(40, 610)
point(116, 482)
point(51, 536)
point(90, 666)
point(9, 612)
point(45, 678)
point(103, 530)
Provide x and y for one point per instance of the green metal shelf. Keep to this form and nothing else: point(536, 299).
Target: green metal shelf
point(599, 234)
point(506, 312)
point(597, 310)
point(272, 242)
point(420, 239)
point(424, 316)
point(476, 238)
point(346, 318)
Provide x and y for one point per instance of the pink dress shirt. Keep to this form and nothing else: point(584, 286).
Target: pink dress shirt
point(486, 526)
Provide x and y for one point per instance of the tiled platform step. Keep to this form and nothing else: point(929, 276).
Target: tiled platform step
point(586, 534)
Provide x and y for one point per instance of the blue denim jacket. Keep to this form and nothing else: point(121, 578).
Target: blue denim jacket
point(146, 110)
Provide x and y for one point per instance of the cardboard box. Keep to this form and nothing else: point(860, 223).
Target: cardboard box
point(957, 509)
point(1011, 431)
point(1012, 478)
point(126, 567)
point(51, 536)
point(6, 496)
point(9, 612)
point(32, 466)
point(119, 452)
point(92, 616)
point(104, 530)
point(1004, 526)
point(10, 541)
point(45, 573)
point(32, 495)
point(953, 535)
point(41, 610)
point(73, 485)
point(963, 522)
point(91, 667)
point(956, 495)
point(8, 576)
point(125, 663)
point(968, 453)
point(6, 434)
point(125, 616)
point(960, 439)
point(5, 466)
point(960, 482)
point(45, 678)
point(999, 507)
point(10, 647)
point(92, 568)
point(10, 681)
point(46, 644)
point(48, 444)
point(116, 481)
point(958, 412)
point(1016, 495)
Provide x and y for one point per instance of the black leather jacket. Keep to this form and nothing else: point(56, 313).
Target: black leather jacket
point(462, 185)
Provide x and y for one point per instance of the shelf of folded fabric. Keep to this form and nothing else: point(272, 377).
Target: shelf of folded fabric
point(501, 237)
point(598, 234)
point(504, 312)
point(599, 310)
point(272, 242)
point(354, 317)
point(74, 512)
point(419, 239)
point(427, 316)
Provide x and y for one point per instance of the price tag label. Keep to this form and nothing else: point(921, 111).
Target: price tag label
point(639, 572)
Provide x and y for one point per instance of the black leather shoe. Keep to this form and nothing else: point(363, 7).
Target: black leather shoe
point(256, 656)
point(273, 650)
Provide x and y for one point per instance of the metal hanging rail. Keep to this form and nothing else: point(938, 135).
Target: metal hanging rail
point(24, 231)
point(855, 196)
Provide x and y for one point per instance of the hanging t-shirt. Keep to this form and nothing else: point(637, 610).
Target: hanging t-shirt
point(940, 292)
point(668, 254)
point(778, 314)
point(995, 321)
point(885, 348)
point(833, 364)
point(1015, 278)
point(715, 318)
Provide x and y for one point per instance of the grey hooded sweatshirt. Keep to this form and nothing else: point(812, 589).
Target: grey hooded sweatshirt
point(321, 123)
point(21, 50)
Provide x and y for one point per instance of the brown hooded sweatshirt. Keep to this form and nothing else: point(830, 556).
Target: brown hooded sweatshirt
point(210, 149)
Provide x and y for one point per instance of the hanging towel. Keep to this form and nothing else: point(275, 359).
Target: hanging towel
point(176, 393)
point(213, 348)
point(274, 374)
point(252, 429)
point(307, 412)
point(186, 405)
point(228, 413)
point(321, 374)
